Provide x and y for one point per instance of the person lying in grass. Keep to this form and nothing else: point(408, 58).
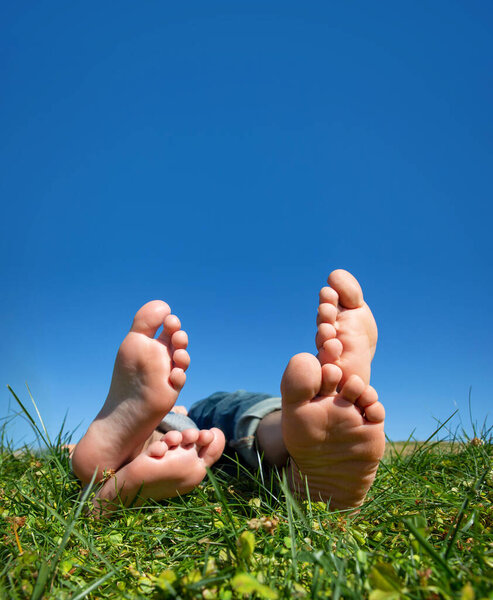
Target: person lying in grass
point(326, 430)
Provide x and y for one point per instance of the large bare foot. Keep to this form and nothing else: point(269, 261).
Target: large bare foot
point(347, 332)
point(147, 378)
point(335, 439)
point(171, 465)
point(332, 422)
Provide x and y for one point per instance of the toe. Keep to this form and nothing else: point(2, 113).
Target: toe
point(302, 379)
point(327, 313)
point(150, 317)
point(329, 295)
point(325, 332)
point(157, 449)
point(181, 359)
point(189, 436)
point(173, 438)
point(375, 413)
point(179, 339)
point(347, 287)
point(353, 388)
point(205, 437)
point(331, 376)
point(171, 325)
point(177, 378)
point(211, 452)
point(330, 351)
point(368, 397)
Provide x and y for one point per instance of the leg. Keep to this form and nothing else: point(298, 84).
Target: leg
point(270, 439)
point(237, 414)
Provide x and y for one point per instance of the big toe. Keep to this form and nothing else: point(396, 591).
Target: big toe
point(212, 451)
point(302, 378)
point(347, 287)
point(150, 317)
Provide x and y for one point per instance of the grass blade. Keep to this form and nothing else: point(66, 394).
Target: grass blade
point(49, 568)
point(425, 544)
point(462, 511)
point(28, 416)
point(290, 501)
point(45, 438)
point(39, 417)
point(94, 585)
point(222, 499)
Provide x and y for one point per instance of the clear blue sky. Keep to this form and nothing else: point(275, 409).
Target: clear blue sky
point(225, 156)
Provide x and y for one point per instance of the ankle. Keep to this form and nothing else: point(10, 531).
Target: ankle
point(270, 440)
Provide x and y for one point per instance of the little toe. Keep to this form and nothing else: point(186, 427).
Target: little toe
point(150, 317)
point(181, 359)
point(347, 287)
point(189, 436)
point(353, 388)
point(177, 378)
point(375, 413)
point(205, 437)
point(157, 449)
point(302, 379)
point(212, 451)
point(179, 340)
point(331, 376)
point(173, 438)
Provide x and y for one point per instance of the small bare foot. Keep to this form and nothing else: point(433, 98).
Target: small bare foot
point(147, 378)
point(335, 439)
point(172, 465)
point(347, 332)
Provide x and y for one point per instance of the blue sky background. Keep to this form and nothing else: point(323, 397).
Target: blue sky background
point(225, 156)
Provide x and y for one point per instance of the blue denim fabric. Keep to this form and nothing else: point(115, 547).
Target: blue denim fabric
point(237, 414)
point(176, 422)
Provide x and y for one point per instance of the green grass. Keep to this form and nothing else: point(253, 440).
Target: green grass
point(424, 532)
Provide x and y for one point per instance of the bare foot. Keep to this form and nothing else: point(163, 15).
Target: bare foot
point(347, 332)
point(147, 378)
point(171, 465)
point(335, 440)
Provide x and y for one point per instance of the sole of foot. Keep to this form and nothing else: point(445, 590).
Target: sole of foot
point(168, 467)
point(346, 330)
point(148, 375)
point(335, 439)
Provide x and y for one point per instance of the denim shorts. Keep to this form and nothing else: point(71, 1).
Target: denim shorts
point(237, 414)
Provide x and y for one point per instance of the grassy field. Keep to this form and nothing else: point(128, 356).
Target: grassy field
point(424, 532)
